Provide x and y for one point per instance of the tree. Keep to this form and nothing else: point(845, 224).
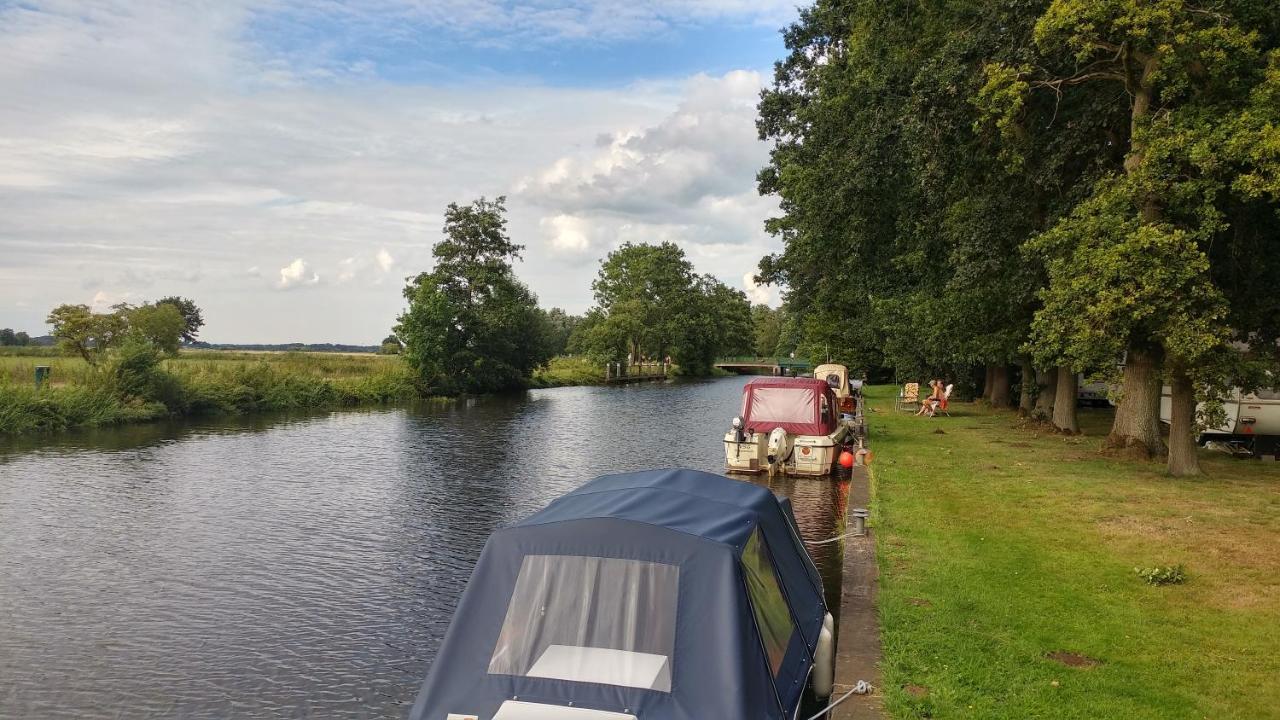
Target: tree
point(766, 329)
point(655, 283)
point(80, 331)
point(1132, 269)
point(8, 337)
point(162, 325)
point(21, 338)
point(390, 345)
point(560, 326)
point(191, 318)
point(471, 326)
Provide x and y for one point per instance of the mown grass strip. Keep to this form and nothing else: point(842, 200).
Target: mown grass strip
point(1008, 587)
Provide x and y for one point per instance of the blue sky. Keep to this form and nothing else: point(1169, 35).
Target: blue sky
point(286, 163)
point(422, 53)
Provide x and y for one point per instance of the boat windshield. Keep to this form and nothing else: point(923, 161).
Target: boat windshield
point(591, 619)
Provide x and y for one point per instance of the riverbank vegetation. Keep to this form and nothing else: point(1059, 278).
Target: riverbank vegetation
point(136, 384)
point(650, 304)
point(1060, 187)
point(1010, 584)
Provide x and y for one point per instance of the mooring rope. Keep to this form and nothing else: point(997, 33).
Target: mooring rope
point(862, 688)
point(829, 540)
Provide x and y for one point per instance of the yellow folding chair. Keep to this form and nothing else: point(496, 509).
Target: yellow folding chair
point(909, 396)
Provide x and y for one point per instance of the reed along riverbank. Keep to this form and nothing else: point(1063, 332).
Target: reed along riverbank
point(216, 382)
point(194, 383)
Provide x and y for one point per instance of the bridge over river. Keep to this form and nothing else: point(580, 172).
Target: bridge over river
point(778, 365)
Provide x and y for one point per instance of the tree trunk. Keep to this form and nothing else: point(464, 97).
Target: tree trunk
point(1183, 460)
point(1064, 401)
point(1027, 399)
point(988, 383)
point(1137, 423)
point(1000, 386)
point(1047, 380)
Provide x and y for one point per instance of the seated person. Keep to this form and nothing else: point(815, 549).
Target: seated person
point(930, 404)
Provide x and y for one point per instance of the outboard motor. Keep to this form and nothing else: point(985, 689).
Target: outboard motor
point(779, 449)
point(739, 434)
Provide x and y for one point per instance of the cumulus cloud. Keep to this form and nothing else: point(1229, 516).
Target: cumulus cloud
point(384, 260)
point(687, 179)
point(297, 274)
point(758, 294)
point(567, 233)
point(188, 148)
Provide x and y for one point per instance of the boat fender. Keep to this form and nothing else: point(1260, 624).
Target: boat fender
point(824, 665)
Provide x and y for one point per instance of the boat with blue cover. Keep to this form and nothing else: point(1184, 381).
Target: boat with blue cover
point(657, 595)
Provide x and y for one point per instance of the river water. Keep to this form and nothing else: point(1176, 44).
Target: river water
point(302, 566)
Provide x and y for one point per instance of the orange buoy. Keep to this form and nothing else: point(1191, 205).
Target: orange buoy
point(846, 459)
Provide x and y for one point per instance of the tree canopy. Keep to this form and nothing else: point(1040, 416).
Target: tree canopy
point(651, 304)
point(1057, 183)
point(471, 326)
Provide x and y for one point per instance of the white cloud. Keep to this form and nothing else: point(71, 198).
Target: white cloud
point(758, 294)
point(346, 270)
point(688, 178)
point(384, 260)
point(567, 233)
point(296, 274)
point(182, 149)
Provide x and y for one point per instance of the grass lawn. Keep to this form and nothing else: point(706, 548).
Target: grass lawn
point(1000, 545)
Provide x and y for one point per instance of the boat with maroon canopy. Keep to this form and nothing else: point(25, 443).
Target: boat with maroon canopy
point(788, 426)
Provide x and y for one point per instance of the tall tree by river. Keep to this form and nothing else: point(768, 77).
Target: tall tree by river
point(471, 326)
point(650, 303)
point(1139, 267)
point(940, 215)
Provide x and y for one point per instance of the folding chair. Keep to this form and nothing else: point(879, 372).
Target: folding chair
point(909, 396)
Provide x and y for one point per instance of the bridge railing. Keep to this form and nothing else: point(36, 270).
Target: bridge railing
point(764, 360)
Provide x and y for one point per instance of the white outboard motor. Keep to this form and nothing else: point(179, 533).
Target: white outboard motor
point(779, 449)
point(739, 435)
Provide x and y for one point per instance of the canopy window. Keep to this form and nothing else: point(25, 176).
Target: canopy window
point(782, 404)
point(773, 616)
point(591, 619)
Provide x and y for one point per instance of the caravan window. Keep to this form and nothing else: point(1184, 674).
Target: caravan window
point(590, 619)
point(773, 617)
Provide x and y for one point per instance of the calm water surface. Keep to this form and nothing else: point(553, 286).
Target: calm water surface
point(301, 567)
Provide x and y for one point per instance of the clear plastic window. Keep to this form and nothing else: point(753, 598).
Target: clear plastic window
point(782, 404)
point(590, 619)
point(773, 617)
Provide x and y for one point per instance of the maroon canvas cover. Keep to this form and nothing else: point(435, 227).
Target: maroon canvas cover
point(793, 404)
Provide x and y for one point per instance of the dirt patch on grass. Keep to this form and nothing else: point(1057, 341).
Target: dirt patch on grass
point(916, 691)
point(919, 602)
point(1075, 660)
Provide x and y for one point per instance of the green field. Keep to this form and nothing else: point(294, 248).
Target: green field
point(1001, 544)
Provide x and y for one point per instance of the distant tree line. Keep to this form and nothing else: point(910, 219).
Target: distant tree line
point(9, 338)
point(1036, 189)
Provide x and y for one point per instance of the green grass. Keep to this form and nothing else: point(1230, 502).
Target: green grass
point(196, 383)
point(563, 371)
point(1001, 543)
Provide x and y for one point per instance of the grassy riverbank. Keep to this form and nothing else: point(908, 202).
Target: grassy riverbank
point(1000, 546)
point(208, 382)
point(194, 383)
point(566, 371)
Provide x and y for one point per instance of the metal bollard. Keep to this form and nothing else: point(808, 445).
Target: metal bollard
point(859, 521)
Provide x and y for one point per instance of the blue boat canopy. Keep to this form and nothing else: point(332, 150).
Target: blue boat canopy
point(671, 594)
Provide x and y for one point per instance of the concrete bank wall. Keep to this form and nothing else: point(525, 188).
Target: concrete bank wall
point(858, 641)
